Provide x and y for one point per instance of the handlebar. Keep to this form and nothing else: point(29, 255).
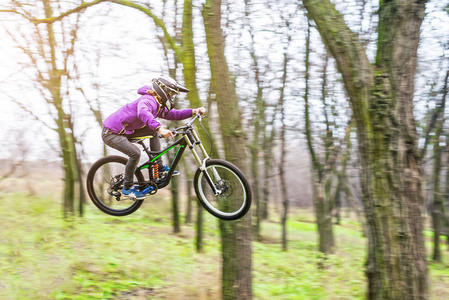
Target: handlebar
point(187, 125)
point(190, 123)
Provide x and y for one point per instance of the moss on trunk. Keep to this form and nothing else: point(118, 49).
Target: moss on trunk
point(236, 235)
point(382, 101)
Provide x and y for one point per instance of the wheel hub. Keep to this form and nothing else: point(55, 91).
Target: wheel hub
point(225, 187)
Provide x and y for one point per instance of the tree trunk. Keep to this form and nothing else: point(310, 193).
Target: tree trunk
point(445, 197)
point(258, 116)
point(188, 60)
point(190, 199)
point(175, 205)
point(283, 152)
point(65, 139)
point(199, 228)
point(354, 203)
point(268, 170)
point(255, 161)
point(284, 197)
point(338, 205)
point(79, 173)
point(322, 201)
point(346, 186)
point(381, 96)
point(189, 209)
point(69, 171)
point(324, 220)
point(235, 235)
point(437, 205)
point(437, 226)
point(255, 176)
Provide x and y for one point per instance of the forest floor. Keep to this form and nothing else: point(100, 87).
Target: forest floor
point(43, 256)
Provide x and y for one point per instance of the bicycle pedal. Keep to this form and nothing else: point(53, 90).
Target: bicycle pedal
point(127, 197)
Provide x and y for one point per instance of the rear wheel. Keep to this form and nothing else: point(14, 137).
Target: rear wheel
point(105, 183)
point(233, 199)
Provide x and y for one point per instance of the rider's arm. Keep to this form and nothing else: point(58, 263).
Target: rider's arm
point(146, 111)
point(175, 114)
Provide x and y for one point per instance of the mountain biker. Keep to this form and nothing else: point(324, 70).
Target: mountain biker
point(138, 118)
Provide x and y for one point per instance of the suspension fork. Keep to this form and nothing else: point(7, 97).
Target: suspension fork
point(192, 140)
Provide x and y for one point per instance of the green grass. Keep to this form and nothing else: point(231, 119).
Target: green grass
point(43, 256)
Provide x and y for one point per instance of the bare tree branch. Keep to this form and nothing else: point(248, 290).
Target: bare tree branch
point(24, 108)
point(147, 10)
point(54, 19)
point(15, 12)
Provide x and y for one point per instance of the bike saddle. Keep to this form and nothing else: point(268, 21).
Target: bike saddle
point(136, 139)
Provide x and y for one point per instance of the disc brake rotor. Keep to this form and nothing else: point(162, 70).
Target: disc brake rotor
point(225, 187)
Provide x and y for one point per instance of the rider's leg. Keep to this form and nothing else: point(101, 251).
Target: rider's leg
point(155, 141)
point(121, 143)
point(155, 145)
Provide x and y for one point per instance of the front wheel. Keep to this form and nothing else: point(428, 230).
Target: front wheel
point(230, 196)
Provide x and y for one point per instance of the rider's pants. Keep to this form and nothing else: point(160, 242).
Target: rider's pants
point(121, 143)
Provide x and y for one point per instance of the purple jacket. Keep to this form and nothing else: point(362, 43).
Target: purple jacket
point(142, 112)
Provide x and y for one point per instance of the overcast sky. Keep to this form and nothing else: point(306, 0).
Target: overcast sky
point(139, 57)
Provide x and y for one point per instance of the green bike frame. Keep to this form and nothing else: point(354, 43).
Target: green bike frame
point(189, 139)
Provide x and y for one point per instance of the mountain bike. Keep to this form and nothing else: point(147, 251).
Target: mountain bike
point(220, 186)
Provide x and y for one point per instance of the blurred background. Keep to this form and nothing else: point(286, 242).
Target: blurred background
point(59, 78)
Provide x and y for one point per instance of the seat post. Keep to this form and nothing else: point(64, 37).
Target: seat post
point(145, 148)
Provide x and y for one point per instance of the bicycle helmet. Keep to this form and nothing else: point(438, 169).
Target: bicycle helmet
point(167, 89)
